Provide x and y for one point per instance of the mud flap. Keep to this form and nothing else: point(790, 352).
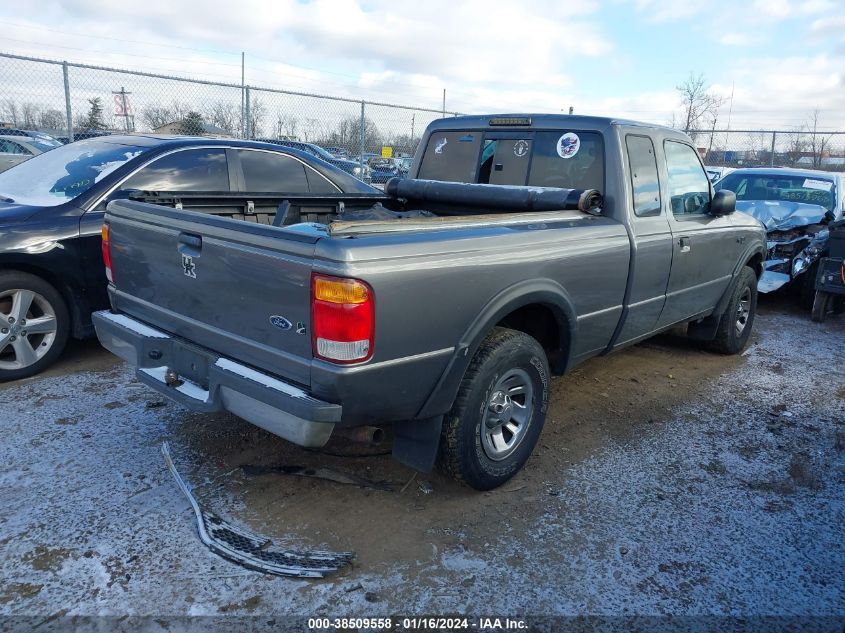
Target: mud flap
point(415, 442)
point(252, 550)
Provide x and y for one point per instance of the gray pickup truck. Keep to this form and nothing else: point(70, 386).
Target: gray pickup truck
point(445, 306)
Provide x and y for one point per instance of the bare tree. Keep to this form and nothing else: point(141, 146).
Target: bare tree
point(52, 119)
point(223, 115)
point(700, 105)
point(257, 112)
point(10, 112)
point(796, 145)
point(819, 141)
point(156, 116)
point(348, 134)
point(285, 126)
point(30, 114)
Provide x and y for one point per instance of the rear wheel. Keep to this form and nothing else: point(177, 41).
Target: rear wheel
point(34, 325)
point(499, 412)
point(736, 322)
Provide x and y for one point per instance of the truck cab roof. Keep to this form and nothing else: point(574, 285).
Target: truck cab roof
point(529, 121)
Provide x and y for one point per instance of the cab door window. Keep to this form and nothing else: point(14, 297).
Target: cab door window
point(689, 187)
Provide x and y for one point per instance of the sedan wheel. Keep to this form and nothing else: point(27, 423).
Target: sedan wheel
point(33, 325)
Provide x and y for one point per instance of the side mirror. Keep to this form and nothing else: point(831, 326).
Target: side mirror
point(723, 202)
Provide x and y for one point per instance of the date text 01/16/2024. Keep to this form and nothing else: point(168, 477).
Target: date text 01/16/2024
point(419, 624)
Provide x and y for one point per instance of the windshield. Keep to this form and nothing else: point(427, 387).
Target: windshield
point(777, 186)
point(63, 173)
point(322, 153)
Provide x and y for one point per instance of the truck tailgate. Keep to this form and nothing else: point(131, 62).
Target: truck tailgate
point(238, 288)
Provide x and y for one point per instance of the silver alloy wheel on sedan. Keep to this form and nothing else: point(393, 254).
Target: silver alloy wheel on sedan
point(507, 414)
point(28, 328)
point(743, 311)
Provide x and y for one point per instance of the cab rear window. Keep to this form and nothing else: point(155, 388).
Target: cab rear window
point(451, 157)
point(570, 159)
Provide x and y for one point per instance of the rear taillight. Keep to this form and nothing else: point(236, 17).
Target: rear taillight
point(342, 319)
point(107, 253)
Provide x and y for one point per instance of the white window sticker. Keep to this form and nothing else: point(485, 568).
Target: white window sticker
point(520, 148)
point(568, 145)
point(440, 146)
point(822, 185)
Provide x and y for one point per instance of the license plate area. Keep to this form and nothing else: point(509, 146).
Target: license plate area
point(192, 364)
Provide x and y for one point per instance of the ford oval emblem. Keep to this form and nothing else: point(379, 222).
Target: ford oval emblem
point(280, 322)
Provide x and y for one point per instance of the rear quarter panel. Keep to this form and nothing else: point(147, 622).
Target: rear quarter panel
point(431, 287)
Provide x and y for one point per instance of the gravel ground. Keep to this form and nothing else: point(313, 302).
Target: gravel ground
point(667, 481)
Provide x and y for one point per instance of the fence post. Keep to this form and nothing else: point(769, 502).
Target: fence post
point(361, 153)
point(68, 112)
point(248, 123)
point(772, 159)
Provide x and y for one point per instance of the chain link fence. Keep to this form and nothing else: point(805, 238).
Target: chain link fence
point(72, 101)
point(802, 148)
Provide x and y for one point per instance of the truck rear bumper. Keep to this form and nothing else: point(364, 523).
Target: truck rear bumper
point(209, 382)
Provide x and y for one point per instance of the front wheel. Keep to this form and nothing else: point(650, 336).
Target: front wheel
point(735, 324)
point(499, 412)
point(34, 325)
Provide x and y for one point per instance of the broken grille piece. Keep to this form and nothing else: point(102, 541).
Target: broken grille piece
point(252, 550)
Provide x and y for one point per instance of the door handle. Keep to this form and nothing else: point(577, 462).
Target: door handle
point(684, 244)
point(189, 244)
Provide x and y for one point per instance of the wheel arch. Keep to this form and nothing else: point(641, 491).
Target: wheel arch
point(65, 289)
point(540, 308)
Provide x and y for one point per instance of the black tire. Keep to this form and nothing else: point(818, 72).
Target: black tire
point(729, 340)
point(463, 452)
point(47, 296)
point(821, 306)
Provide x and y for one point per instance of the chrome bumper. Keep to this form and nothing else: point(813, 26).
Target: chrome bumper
point(209, 382)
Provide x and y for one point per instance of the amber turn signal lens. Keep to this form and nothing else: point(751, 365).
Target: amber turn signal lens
point(340, 290)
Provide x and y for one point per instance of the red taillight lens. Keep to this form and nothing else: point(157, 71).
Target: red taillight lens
point(107, 253)
point(342, 319)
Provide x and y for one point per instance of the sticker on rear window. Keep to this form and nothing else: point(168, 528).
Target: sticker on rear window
point(568, 145)
point(440, 146)
point(520, 148)
point(822, 185)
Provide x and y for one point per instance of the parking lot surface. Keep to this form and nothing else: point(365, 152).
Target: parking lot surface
point(667, 481)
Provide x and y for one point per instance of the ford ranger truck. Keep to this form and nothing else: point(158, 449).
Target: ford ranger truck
point(520, 246)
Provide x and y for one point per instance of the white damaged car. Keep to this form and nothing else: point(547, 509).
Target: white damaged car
point(795, 206)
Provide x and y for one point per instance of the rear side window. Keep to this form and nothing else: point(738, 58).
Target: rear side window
point(644, 182)
point(188, 170)
point(271, 172)
point(451, 156)
point(10, 147)
point(568, 159)
point(689, 187)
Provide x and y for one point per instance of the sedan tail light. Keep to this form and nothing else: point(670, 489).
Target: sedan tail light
point(342, 319)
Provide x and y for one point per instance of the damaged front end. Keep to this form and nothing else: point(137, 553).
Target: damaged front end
point(797, 237)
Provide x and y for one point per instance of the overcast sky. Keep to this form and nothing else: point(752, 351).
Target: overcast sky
point(780, 59)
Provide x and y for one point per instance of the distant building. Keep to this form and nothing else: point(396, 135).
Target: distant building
point(175, 127)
